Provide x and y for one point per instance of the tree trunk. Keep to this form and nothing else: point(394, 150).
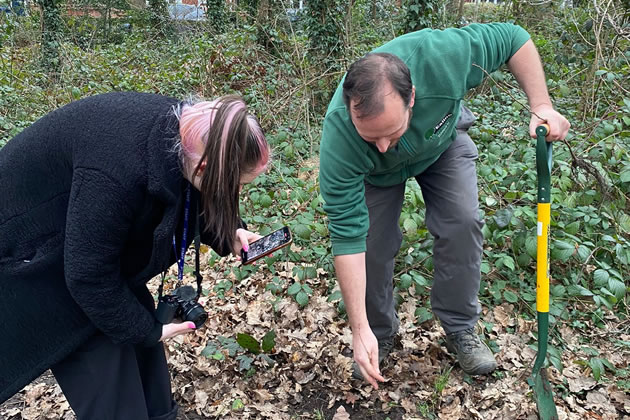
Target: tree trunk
point(51, 23)
point(216, 14)
point(460, 11)
point(159, 15)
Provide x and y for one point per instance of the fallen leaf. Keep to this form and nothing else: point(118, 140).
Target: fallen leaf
point(263, 395)
point(504, 315)
point(351, 398)
point(583, 383)
point(451, 411)
point(301, 377)
point(341, 414)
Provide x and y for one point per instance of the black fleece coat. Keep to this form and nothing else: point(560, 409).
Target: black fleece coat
point(91, 195)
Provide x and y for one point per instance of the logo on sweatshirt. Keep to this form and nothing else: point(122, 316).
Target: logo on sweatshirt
point(443, 121)
point(431, 131)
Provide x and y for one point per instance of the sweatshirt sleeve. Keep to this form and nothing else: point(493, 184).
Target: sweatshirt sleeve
point(448, 63)
point(98, 222)
point(491, 45)
point(342, 170)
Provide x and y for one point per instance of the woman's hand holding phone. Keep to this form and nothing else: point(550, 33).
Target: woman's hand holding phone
point(266, 245)
point(242, 240)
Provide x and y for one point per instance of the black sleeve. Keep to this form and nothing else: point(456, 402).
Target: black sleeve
point(100, 213)
point(209, 238)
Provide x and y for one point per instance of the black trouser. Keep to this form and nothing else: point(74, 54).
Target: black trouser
point(105, 381)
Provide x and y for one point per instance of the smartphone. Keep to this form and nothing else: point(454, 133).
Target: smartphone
point(266, 245)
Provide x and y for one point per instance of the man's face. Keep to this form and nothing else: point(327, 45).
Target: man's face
point(385, 129)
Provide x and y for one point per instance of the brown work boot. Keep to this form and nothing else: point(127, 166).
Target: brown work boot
point(473, 355)
point(385, 347)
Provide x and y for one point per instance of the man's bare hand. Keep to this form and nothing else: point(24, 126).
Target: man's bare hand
point(365, 348)
point(558, 125)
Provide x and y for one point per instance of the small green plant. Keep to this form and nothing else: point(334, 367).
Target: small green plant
point(258, 349)
point(319, 414)
point(597, 364)
point(442, 380)
point(215, 349)
point(426, 410)
point(241, 350)
point(222, 287)
point(429, 408)
point(237, 404)
point(276, 285)
point(300, 292)
point(241, 272)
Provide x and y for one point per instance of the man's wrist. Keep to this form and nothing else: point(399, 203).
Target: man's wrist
point(359, 326)
point(541, 106)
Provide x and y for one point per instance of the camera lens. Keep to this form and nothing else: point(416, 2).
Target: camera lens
point(192, 311)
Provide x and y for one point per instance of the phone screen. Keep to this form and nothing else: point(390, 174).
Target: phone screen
point(266, 245)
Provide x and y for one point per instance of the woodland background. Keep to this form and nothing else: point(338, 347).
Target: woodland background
point(277, 344)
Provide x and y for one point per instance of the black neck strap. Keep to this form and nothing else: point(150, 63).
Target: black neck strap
point(197, 241)
point(198, 275)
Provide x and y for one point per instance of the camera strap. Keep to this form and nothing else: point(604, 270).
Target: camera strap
point(184, 247)
point(198, 275)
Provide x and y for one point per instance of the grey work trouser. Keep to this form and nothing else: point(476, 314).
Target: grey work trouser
point(449, 189)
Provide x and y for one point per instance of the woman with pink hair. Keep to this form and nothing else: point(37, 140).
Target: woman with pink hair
point(98, 197)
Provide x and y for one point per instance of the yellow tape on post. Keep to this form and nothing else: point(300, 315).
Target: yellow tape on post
point(542, 258)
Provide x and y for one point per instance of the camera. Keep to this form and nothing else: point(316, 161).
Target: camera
point(182, 304)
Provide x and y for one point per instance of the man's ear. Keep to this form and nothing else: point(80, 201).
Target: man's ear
point(413, 96)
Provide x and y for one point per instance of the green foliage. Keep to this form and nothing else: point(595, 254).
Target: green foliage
point(237, 404)
point(429, 408)
point(372, 22)
point(96, 22)
point(267, 21)
point(51, 22)
point(216, 14)
point(325, 27)
point(252, 345)
point(300, 291)
point(242, 349)
point(216, 349)
point(159, 18)
point(420, 14)
point(250, 6)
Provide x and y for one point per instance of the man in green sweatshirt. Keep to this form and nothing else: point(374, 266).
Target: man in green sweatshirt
point(398, 114)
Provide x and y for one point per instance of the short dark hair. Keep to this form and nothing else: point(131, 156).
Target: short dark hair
point(364, 81)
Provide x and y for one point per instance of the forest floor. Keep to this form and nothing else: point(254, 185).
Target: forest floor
point(310, 377)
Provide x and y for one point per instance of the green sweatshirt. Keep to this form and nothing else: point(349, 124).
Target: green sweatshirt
point(443, 67)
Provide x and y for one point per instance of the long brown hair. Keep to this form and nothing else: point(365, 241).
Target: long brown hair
point(234, 145)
